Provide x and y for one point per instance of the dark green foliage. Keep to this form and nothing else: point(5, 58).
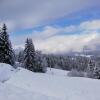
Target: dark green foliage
point(29, 55)
point(96, 73)
point(33, 60)
point(58, 61)
point(41, 63)
point(6, 52)
point(20, 56)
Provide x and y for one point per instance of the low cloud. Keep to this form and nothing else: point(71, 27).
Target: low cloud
point(57, 40)
point(64, 43)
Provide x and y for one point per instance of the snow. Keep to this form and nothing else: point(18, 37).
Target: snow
point(53, 85)
point(10, 92)
point(83, 55)
point(6, 71)
point(57, 72)
point(57, 86)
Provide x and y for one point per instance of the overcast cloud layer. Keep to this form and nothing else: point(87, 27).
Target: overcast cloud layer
point(26, 14)
point(29, 13)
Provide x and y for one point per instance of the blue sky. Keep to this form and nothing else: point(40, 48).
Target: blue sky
point(51, 23)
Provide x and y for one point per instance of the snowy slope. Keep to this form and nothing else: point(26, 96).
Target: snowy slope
point(53, 85)
point(10, 92)
point(57, 72)
point(6, 71)
point(57, 86)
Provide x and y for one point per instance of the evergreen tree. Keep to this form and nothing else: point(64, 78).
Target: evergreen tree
point(29, 55)
point(20, 57)
point(41, 62)
point(96, 72)
point(6, 52)
point(90, 69)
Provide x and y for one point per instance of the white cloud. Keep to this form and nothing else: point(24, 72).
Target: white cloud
point(24, 14)
point(48, 31)
point(88, 26)
point(91, 25)
point(52, 40)
point(65, 43)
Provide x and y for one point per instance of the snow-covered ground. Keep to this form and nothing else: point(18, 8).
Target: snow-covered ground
point(6, 71)
point(56, 72)
point(53, 85)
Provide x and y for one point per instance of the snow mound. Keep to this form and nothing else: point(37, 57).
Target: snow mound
point(6, 71)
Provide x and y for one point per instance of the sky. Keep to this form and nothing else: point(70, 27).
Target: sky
point(55, 26)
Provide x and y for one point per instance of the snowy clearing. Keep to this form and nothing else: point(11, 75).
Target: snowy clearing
point(53, 85)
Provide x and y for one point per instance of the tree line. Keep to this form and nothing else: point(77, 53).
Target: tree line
point(81, 66)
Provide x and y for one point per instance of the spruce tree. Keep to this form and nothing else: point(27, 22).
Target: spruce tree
point(29, 55)
point(6, 51)
point(41, 62)
point(20, 57)
point(96, 72)
point(90, 68)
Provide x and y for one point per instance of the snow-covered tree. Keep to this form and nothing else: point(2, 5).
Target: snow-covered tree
point(20, 56)
point(29, 55)
point(41, 62)
point(90, 69)
point(96, 72)
point(33, 60)
point(6, 52)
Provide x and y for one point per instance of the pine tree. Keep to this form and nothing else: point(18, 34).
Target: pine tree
point(41, 62)
point(96, 72)
point(20, 57)
point(6, 52)
point(29, 55)
point(90, 69)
